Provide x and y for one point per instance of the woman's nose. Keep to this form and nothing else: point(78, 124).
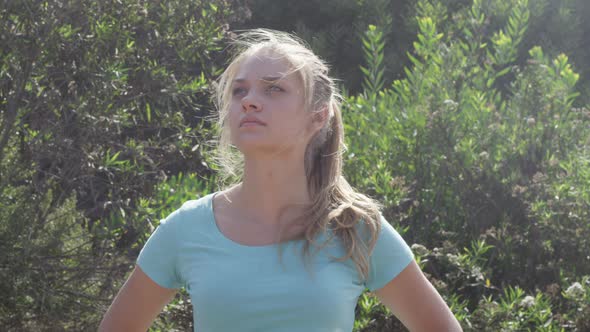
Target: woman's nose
point(251, 102)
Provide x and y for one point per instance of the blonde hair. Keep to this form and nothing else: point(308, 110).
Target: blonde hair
point(335, 204)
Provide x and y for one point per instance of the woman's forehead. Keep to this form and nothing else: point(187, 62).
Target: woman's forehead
point(264, 65)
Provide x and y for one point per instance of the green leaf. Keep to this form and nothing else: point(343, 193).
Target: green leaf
point(148, 112)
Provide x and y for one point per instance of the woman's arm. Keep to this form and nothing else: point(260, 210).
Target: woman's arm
point(136, 306)
point(416, 303)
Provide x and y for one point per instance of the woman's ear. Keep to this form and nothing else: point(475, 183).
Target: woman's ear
point(321, 116)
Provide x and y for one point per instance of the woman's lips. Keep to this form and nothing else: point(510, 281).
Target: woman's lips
point(251, 121)
point(251, 124)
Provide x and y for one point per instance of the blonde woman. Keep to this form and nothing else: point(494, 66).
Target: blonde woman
point(292, 245)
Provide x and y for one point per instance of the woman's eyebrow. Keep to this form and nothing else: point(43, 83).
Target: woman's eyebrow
point(271, 78)
point(264, 79)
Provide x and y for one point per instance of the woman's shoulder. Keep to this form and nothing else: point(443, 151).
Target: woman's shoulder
point(197, 204)
point(190, 213)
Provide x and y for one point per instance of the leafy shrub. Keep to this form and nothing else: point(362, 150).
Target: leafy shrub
point(100, 101)
point(471, 150)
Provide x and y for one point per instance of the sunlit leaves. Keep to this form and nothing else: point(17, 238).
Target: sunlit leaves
point(471, 142)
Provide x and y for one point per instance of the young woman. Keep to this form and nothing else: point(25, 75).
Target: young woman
point(292, 245)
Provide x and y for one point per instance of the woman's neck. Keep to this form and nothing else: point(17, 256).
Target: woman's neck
point(270, 189)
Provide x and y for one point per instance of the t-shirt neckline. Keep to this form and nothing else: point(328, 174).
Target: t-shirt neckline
point(233, 243)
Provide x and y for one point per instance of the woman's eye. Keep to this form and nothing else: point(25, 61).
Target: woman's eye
point(275, 88)
point(238, 91)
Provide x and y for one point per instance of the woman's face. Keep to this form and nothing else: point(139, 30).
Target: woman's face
point(262, 91)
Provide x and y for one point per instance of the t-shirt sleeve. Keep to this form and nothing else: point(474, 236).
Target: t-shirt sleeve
point(159, 256)
point(389, 257)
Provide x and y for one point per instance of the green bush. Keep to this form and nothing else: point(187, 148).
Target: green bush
point(100, 102)
point(471, 150)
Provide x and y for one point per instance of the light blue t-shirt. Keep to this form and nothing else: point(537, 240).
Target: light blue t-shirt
point(235, 287)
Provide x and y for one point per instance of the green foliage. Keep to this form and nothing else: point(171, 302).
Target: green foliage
point(50, 267)
point(471, 145)
point(101, 101)
point(373, 45)
point(506, 41)
point(367, 306)
point(335, 28)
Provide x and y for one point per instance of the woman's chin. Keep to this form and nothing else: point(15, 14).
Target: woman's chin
point(253, 146)
point(261, 150)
